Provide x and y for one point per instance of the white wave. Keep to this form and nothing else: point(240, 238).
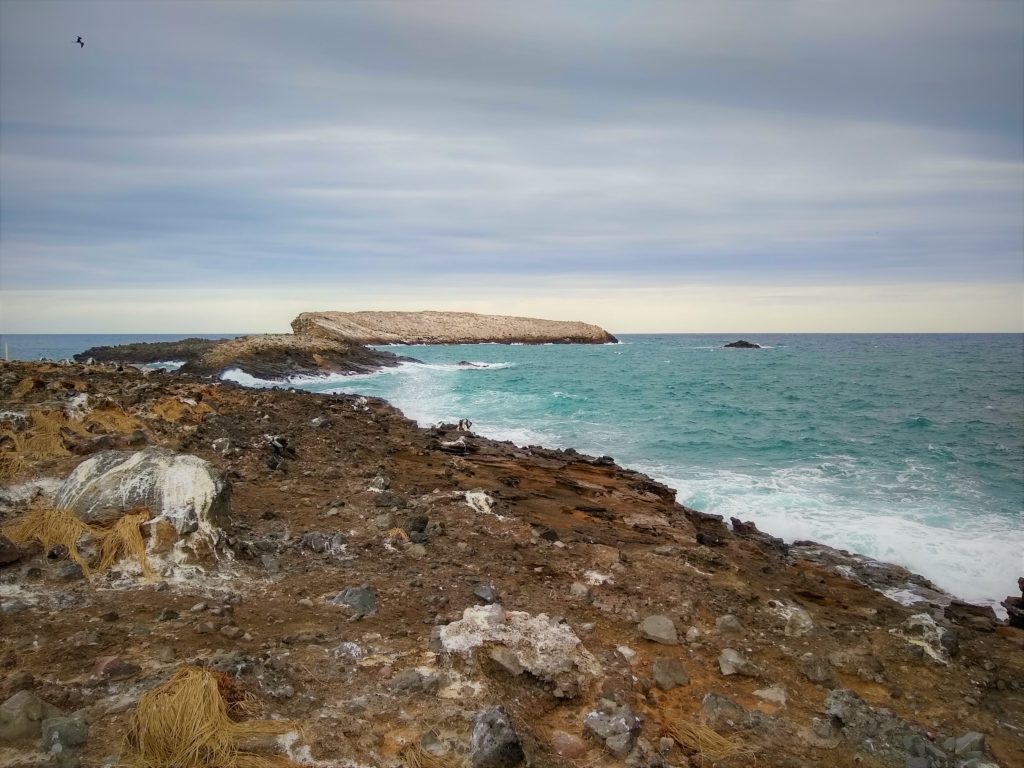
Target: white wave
point(974, 557)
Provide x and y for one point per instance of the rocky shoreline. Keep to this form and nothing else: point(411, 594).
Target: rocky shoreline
point(429, 597)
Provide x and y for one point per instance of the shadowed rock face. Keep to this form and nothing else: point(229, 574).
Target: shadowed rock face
point(445, 328)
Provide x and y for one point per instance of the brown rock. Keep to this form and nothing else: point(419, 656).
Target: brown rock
point(9, 551)
point(114, 668)
point(567, 745)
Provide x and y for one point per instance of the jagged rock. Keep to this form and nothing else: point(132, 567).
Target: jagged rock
point(551, 652)
point(774, 694)
point(938, 642)
point(977, 617)
point(322, 543)
point(659, 629)
point(22, 716)
point(360, 601)
point(494, 743)
point(732, 662)
point(721, 713)
point(817, 670)
point(614, 725)
point(799, 622)
point(183, 490)
point(970, 742)
point(878, 732)
point(669, 673)
point(506, 659)
point(486, 592)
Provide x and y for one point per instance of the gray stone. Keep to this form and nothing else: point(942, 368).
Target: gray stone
point(775, 694)
point(918, 762)
point(970, 742)
point(506, 659)
point(669, 674)
point(10, 607)
point(728, 625)
point(579, 591)
point(732, 662)
point(488, 593)
point(614, 725)
point(60, 734)
point(799, 623)
point(817, 669)
point(360, 601)
point(721, 713)
point(413, 681)
point(494, 743)
point(184, 490)
point(22, 716)
point(659, 629)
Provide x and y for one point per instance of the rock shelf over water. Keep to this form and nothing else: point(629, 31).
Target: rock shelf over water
point(446, 328)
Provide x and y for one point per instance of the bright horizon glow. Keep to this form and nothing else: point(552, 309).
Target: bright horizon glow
point(795, 166)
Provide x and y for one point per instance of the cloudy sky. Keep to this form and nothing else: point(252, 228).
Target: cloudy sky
point(719, 166)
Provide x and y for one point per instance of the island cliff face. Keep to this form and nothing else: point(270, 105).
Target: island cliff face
point(445, 328)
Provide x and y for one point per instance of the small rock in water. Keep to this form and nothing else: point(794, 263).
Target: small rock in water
point(659, 629)
point(494, 743)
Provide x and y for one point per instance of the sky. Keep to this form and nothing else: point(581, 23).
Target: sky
point(804, 166)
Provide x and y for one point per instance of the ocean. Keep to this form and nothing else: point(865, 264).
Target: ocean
point(908, 448)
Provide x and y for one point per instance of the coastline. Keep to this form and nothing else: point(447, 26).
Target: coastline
point(612, 547)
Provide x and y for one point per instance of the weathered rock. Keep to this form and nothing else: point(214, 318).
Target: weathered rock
point(978, 617)
point(721, 713)
point(60, 734)
point(9, 551)
point(494, 743)
point(615, 725)
point(728, 625)
point(505, 659)
point(183, 490)
point(360, 601)
point(817, 669)
point(970, 742)
point(411, 681)
point(774, 695)
point(22, 716)
point(444, 328)
point(669, 673)
point(799, 622)
point(659, 629)
point(550, 651)
point(938, 642)
point(488, 593)
point(732, 662)
point(742, 344)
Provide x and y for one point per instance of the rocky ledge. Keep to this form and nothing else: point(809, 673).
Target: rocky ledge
point(377, 594)
point(268, 356)
point(445, 328)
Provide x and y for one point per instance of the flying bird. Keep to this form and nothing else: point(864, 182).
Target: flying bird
point(79, 41)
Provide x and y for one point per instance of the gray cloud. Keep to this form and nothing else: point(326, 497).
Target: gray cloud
point(192, 144)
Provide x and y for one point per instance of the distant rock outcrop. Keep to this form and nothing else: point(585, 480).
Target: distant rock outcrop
point(268, 356)
point(445, 328)
point(743, 344)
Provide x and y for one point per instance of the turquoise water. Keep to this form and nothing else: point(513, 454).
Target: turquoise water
point(907, 448)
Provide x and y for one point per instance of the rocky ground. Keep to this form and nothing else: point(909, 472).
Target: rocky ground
point(427, 597)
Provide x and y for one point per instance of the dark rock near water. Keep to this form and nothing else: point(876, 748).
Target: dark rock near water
point(743, 344)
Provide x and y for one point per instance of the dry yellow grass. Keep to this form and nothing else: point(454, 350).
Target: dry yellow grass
point(53, 527)
point(414, 756)
point(186, 723)
point(111, 419)
point(705, 742)
point(124, 538)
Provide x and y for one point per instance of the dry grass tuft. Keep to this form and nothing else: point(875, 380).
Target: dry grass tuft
point(414, 756)
point(124, 539)
point(175, 409)
point(111, 418)
point(187, 723)
point(52, 527)
point(708, 744)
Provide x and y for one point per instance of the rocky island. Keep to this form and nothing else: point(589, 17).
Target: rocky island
point(301, 579)
point(445, 328)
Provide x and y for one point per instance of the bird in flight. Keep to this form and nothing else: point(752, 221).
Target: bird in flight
point(79, 41)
